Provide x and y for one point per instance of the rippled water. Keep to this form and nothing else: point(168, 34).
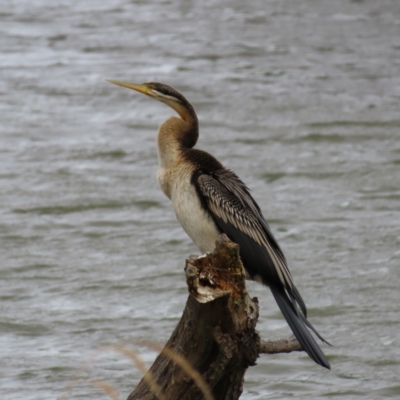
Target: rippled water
point(300, 98)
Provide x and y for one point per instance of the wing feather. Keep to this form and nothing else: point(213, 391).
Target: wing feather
point(229, 199)
point(238, 215)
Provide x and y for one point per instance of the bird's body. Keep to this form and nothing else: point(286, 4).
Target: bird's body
point(195, 220)
point(209, 199)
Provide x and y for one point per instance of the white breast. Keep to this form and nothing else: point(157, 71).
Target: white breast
point(196, 222)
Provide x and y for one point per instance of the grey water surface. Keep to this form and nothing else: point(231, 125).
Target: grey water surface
point(300, 98)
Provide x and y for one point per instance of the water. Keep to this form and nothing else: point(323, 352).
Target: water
point(301, 99)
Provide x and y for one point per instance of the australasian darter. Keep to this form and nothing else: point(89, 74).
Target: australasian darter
point(209, 199)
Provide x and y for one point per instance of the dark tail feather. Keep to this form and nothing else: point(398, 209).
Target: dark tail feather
point(300, 301)
point(299, 328)
point(307, 322)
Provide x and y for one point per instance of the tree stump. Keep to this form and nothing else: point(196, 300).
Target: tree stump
point(215, 341)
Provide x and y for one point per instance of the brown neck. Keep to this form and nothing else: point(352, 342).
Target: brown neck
point(185, 130)
point(189, 136)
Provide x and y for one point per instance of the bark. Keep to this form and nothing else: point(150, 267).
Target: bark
point(215, 341)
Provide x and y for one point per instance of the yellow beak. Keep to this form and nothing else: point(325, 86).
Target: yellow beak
point(140, 88)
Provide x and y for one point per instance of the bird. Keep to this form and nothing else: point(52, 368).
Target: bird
point(209, 199)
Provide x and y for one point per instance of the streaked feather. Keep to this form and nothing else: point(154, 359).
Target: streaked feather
point(228, 198)
point(238, 215)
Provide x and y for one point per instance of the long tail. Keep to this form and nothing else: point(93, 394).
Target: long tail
point(298, 326)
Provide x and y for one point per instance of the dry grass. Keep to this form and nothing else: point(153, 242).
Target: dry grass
point(107, 388)
point(186, 366)
point(133, 355)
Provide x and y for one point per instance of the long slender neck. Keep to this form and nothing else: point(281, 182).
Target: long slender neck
point(186, 129)
point(175, 137)
point(190, 130)
point(176, 134)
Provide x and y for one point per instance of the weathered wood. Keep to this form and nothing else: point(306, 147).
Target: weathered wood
point(216, 334)
point(279, 346)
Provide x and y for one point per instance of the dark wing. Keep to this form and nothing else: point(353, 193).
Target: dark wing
point(237, 214)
